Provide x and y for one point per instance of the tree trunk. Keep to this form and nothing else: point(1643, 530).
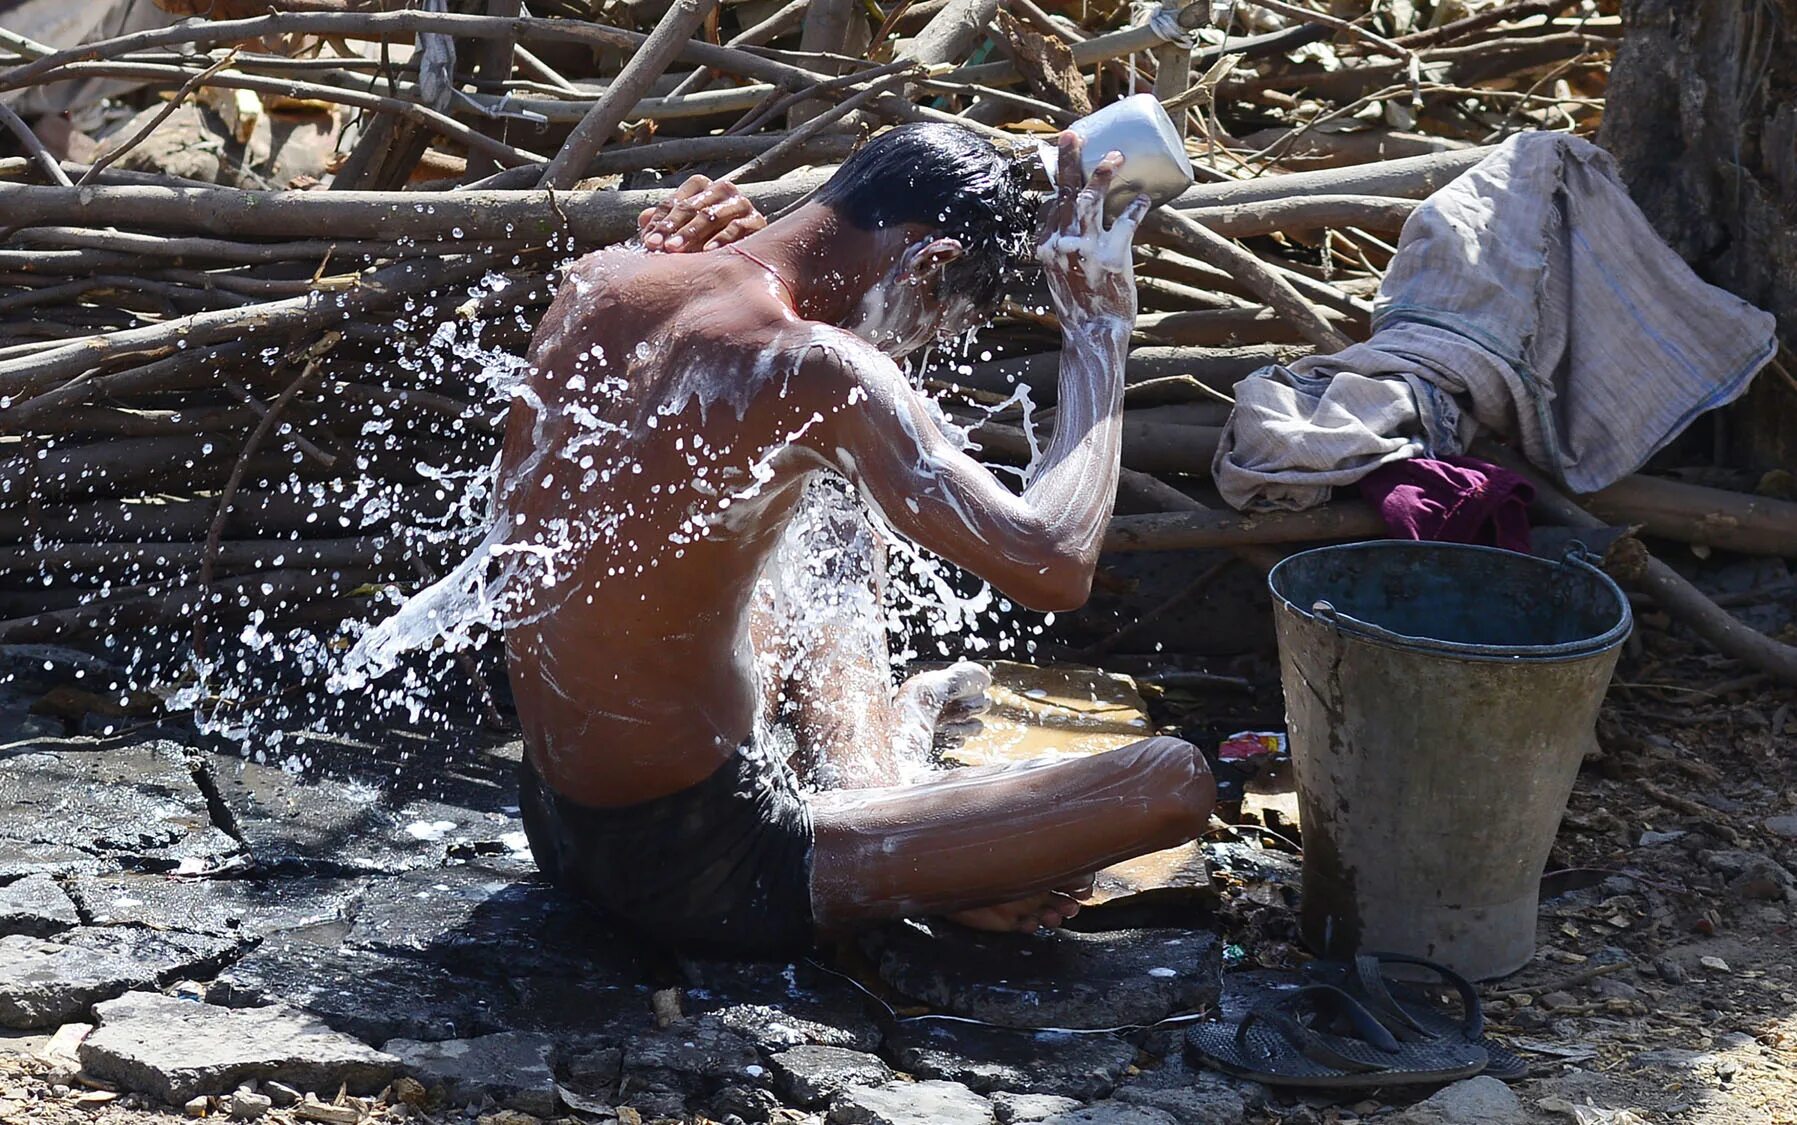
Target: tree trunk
point(1702, 117)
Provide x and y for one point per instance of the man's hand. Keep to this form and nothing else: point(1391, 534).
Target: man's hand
point(702, 215)
point(1090, 272)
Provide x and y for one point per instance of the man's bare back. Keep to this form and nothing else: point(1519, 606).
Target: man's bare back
point(698, 463)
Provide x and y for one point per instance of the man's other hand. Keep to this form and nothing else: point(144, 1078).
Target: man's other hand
point(702, 215)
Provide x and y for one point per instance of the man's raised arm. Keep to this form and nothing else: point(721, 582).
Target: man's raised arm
point(1039, 548)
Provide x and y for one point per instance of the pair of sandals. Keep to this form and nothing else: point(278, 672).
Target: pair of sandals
point(1355, 1027)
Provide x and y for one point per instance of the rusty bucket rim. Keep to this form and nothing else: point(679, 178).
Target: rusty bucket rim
point(1368, 633)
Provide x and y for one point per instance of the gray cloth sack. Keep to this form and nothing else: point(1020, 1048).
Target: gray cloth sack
point(1529, 297)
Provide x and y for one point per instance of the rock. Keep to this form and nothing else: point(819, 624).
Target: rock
point(283, 1094)
point(745, 1103)
point(247, 1105)
point(1209, 1100)
point(370, 995)
point(513, 1068)
point(910, 1103)
point(1667, 1058)
point(1715, 964)
point(176, 1049)
point(1612, 989)
point(171, 954)
point(1651, 839)
point(1028, 1109)
point(810, 1074)
point(986, 1059)
point(457, 916)
point(1064, 979)
point(327, 827)
point(1113, 1113)
point(138, 807)
point(253, 907)
point(1192, 1094)
point(596, 1069)
point(1783, 826)
point(782, 1006)
point(653, 1103)
point(1475, 1101)
point(197, 1107)
point(701, 1049)
point(1556, 1000)
point(62, 1051)
point(36, 907)
point(43, 983)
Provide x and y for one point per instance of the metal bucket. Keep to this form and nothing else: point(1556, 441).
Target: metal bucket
point(1439, 699)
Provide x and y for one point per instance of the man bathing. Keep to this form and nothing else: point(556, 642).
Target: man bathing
point(675, 409)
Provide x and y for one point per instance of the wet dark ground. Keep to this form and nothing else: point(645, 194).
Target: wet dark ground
point(378, 914)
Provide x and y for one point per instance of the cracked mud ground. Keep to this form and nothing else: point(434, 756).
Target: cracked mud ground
point(372, 932)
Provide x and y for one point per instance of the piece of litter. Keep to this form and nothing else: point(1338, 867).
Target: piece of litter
point(1245, 745)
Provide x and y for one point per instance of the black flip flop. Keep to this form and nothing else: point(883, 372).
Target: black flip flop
point(1284, 1043)
point(1407, 1009)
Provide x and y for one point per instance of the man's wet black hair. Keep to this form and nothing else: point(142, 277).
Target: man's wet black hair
point(952, 181)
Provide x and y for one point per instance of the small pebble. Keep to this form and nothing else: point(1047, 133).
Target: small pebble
point(1554, 1001)
point(1715, 963)
point(196, 1107)
point(281, 1093)
point(247, 1105)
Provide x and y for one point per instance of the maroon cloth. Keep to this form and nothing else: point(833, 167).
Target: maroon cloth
point(1456, 500)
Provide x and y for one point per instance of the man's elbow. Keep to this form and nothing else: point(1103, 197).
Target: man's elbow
point(1058, 585)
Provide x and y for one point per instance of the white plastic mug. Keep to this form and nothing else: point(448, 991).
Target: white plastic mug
point(1154, 156)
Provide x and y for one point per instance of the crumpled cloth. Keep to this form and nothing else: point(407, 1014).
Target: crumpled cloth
point(1529, 297)
point(1454, 500)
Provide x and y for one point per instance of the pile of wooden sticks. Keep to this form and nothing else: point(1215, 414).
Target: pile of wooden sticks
point(219, 400)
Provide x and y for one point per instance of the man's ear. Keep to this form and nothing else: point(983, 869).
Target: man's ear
point(926, 262)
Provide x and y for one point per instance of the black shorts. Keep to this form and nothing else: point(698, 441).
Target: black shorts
point(722, 868)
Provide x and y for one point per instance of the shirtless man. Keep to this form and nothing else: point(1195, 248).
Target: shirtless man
point(675, 408)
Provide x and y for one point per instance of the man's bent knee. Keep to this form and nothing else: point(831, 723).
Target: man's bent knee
point(1180, 781)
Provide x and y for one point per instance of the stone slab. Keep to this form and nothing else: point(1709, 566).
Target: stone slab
point(36, 907)
point(460, 915)
point(782, 1006)
point(169, 955)
point(988, 1059)
point(692, 1051)
point(1028, 1109)
point(179, 1049)
point(316, 824)
point(1061, 979)
point(370, 995)
point(129, 807)
point(515, 1069)
point(254, 907)
point(1112, 1113)
point(810, 1075)
point(910, 1103)
point(1474, 1101)
point(47, 984)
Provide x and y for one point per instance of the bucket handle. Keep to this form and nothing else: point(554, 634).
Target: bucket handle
point(1576, 555)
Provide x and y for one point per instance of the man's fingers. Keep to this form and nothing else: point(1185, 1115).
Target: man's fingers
point(694, 185)
point(735, 229)
point(1068, 174)
point(709, 220)
point(1123, 232)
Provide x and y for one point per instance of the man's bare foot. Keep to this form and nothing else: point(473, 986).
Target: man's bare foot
point(947, 702)
point(1045, 911)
